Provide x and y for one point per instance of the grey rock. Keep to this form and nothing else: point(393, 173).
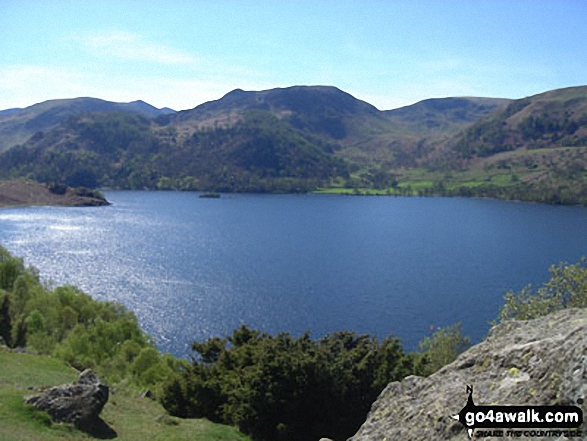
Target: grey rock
point(79, 403)
point(535, 362)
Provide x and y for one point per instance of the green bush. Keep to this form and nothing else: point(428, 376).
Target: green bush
point(5, 321)
point(440, 349)
point(286, 388)
point(566, 288)
point(69, 324)
point(10, 269)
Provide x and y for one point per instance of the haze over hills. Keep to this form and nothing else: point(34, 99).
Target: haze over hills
point(450, 114)
point(363, 133)
point(18, 125)
point(323, 111)
point(304, 137)
point(9, 111)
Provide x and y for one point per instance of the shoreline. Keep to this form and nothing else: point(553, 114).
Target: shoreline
point(20, 193)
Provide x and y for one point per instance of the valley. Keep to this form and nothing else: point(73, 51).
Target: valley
point(309, 138)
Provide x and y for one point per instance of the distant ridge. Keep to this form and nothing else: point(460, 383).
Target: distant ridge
point(451, 113)
point(308, 100)
point(146, 109)
point(302, 138)
point(9, 111)
point(18, 125)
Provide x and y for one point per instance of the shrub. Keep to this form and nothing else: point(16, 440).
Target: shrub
point(69, 324)
point(285, 388)
point(440, 349)
point(566, 288)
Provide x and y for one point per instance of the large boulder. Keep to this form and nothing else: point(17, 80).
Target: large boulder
point(526, 363)
point(79, 403)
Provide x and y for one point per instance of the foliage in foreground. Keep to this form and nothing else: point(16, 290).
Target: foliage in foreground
point(270, 387)
point(70, 325)
point(566, 288)
point(440, 349)
point(286, 388)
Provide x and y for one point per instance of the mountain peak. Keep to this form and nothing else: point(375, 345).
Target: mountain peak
point(312, 100)
point(17, 126)
point(235, 92)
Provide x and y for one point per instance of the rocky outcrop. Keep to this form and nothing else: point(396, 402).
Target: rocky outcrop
point(537, 362)
point(79, 403)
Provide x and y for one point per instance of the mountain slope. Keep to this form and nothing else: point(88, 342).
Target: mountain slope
point(325, 117)
point(447, 115)
point(321, 110)
point(428, 124)
point(290, 139)
point(557, 118)
point(7, 112)
point(363, 134)
point(304, 137)
point(260, 153)
point(18, 125)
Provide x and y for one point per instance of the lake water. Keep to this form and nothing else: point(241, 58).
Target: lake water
point(192, 268)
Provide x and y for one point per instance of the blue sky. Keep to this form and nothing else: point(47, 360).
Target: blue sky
point(389, 53)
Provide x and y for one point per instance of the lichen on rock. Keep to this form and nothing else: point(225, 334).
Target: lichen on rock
point(536, 362)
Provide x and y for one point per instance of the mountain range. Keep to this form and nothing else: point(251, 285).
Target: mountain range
point(303, 138)
point(18, 125)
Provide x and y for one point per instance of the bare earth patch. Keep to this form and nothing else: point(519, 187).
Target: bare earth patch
point(23, 193)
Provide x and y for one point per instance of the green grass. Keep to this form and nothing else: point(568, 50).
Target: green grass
point(131, 417)
point(335, 190)
point(359, 191)
point(512, 173)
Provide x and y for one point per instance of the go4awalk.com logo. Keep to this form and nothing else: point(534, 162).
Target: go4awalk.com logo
point(521, 421)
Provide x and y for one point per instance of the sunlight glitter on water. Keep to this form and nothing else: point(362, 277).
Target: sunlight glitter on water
point(192, 268)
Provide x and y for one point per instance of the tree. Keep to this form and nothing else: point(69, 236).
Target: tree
point(10, 269)
point(566, 288)
point(441, 348)
point(285, 388)
point(5, 321)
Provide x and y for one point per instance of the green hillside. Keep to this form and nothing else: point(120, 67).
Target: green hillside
point(71, 330)
point(445, 115)
point(18, 125)
point(259, 153)
point(306, 138)
point(131, 417)
point(533, 149)
point(287, 140)
point(553, 119)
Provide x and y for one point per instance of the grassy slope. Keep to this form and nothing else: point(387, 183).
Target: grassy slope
point(131, 417)
point(505, 169)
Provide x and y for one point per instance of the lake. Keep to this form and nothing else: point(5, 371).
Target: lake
point(192, 268)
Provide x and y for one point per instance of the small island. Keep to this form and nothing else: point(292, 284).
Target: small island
point(210, 195)
point(19, 193)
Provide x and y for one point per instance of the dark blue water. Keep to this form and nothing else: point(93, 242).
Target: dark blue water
point(192, 268)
